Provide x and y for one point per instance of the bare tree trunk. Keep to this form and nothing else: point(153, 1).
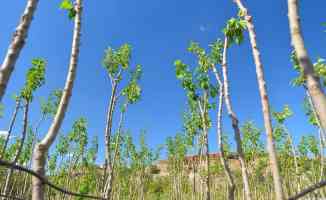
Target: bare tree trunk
point(294, 154)
point(16, 45)
point(109, 182)
point(265, 103)
point(41, 149)
point(235, 123)
point(11, 126)
point(223, 158)
point(19, 150)
point(203, 111)
point(312, 81)
point(108, 168)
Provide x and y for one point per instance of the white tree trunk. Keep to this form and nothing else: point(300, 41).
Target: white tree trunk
point(312, 81)
point(16, 45)
point(41, 149)
point(265, 103)
point(235, 123)
point(223, 158)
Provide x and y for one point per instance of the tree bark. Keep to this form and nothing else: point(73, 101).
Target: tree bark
point(265, 103)
point(203, 112)
point(224, 161)
point(108, 168)
point(235, 123)
point(11, 126)
point(312, 80)
point(41, 149)
point(19, 150)
point(16, 45)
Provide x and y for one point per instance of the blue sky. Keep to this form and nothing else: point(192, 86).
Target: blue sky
point(159, 32)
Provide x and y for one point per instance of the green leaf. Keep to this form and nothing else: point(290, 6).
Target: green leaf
point(72, 13)
point(66, 5)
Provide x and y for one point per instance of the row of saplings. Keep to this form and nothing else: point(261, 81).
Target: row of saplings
point(59, 165)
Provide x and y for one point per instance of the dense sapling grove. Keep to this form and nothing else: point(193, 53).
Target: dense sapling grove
point(67, 164)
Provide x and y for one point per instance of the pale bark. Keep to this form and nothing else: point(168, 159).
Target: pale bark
point(16, 45)
point(41, 149)
point(19, 150)
point(235, 123)
point(203, 112)
point(108, 168)
point(224, 161)
point(11, 126)
point(110, 179)
point(312, 81)
point(265, 103)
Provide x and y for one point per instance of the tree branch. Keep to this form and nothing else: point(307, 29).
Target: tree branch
point(308, 190)
point(45, 180)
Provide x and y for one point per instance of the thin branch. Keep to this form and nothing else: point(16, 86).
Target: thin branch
point(10, 197)
point(45, 180)
point(308, 190)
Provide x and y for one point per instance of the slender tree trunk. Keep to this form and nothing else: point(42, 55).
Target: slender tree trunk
point(16, 45)
point(312, 81)
point(11, 126)
point(322, 159)
point(235, 123)
point(41, 149)
point(294, 154)
point(203, 112)
point(19, 150)
point(108, 168)
point(223, 158)
point(265, 103)
point(116, 151)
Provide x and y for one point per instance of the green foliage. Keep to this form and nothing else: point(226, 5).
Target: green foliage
point(141, 157)
point(192, 124)
point(234, 30)
point(132, 92)
point(49, 107)
point(35, 78)
point(69, 7)
point(92, 151)
point(251, 140)
point(319, 68)
point(28, 147)
point(312, 118)
point(279, 136)
point(177, 147)
point(78, 135)
point(216, 52)
point(308, 144)
point(197, 81)
point(2, 107)
point(117, 60)
point(281, 116)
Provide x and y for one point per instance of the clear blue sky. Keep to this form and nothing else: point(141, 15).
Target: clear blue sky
point(159, 32)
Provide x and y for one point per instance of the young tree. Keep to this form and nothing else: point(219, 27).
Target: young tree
point(227, 170)
point(200, 92)
point(16, 45)
point(11, 125)
point(234, 33)
point(116, 62)
point(41, 148)
point(264, 100)
point(34, 80)
point(312, 81)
